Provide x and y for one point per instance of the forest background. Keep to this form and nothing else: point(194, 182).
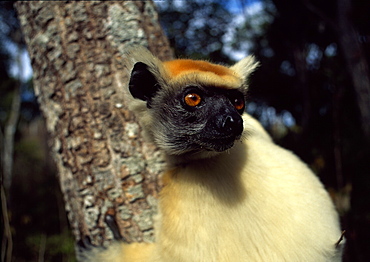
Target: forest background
point(307, 93)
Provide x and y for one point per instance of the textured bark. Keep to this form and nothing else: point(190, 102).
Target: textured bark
point(104, 166)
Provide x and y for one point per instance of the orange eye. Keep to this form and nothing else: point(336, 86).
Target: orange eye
point(238, 103)
point(192, 99)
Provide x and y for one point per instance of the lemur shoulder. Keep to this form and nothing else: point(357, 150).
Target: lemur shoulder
point(230, 193)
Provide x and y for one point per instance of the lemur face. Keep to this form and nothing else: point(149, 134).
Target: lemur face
point(195, 107)
point(198, 118)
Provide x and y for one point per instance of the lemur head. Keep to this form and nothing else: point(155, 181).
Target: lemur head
point(189, 106)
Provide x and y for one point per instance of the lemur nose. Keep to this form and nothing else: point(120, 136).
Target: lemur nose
point(232, 124)
point(228, 122)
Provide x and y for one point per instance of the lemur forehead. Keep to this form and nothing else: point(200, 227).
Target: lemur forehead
point(203, 72)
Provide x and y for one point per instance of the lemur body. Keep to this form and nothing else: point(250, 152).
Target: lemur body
point(230, 193)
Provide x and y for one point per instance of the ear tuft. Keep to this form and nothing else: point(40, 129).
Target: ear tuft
point(143, 85)
point(245, 67)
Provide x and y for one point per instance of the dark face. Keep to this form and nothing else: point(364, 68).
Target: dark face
point(199, 118)
point(192, 118)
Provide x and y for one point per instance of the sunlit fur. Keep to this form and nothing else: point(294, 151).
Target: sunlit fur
point(253, 202)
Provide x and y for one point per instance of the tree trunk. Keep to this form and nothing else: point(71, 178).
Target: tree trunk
point(355, 59)
point(357, 65)
point(9, 133)
point(104, 167)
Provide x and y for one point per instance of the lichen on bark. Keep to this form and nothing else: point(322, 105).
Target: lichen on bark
point(77, 54)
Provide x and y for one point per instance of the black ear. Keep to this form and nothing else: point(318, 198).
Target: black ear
point(143, 85)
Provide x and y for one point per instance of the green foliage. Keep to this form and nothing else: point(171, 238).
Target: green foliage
point(31, 151)
point(53, 247)
point(196, 28)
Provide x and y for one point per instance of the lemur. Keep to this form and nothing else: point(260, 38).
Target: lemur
point(230, 193)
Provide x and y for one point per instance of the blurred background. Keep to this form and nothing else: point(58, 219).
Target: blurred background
point(307, 93)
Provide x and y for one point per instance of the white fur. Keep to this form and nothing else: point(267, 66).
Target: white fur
point(245, 67)
point(257, 202)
